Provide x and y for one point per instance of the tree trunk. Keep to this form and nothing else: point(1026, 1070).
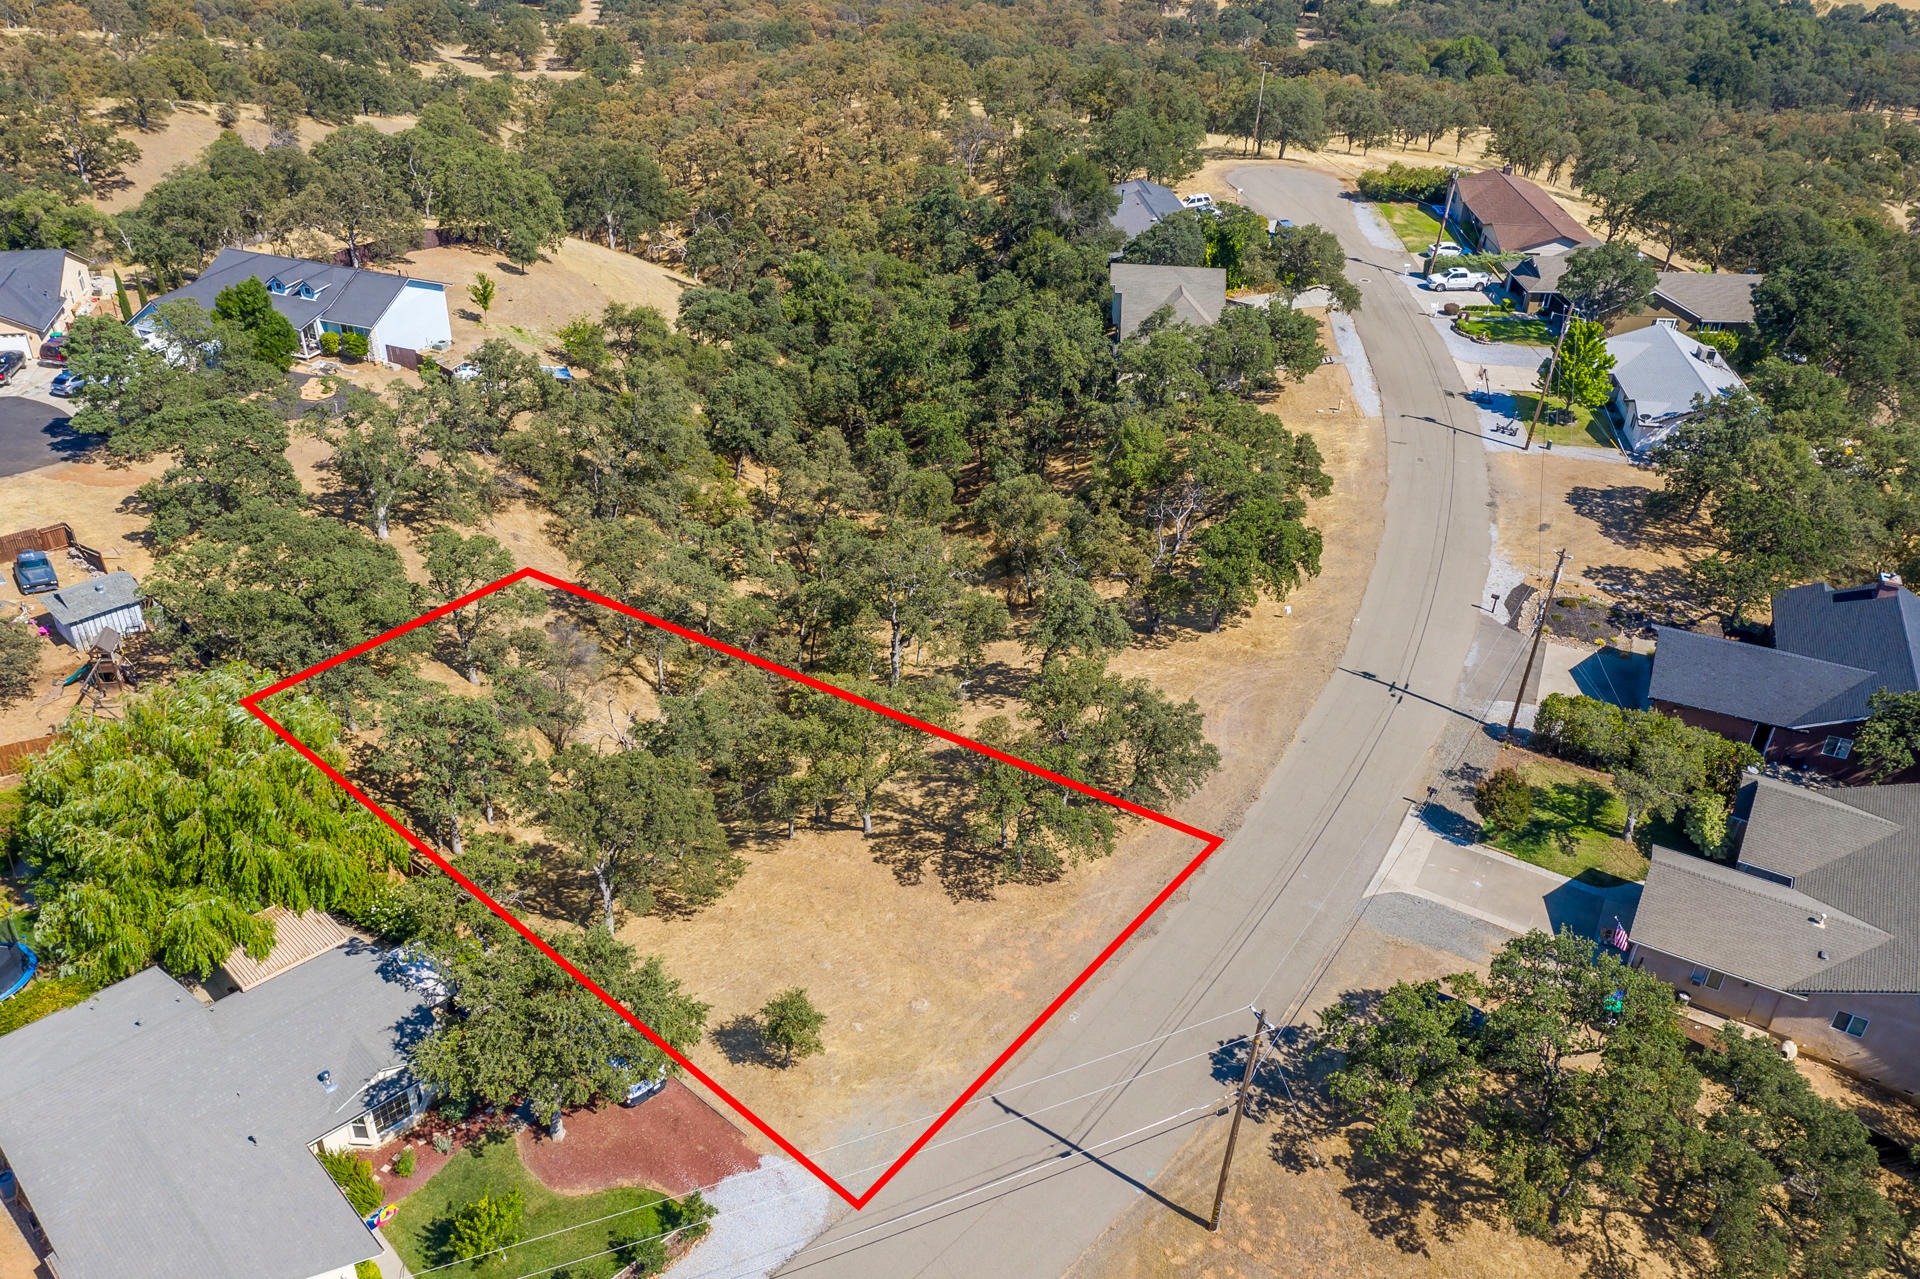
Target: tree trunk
point(896, 646)
point(457, 844)
point(380, 520)
point(605, 881)
point(866, 822)
point(473, 672)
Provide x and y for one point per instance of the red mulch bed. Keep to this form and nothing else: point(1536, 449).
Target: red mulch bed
point(673, 1142)
point(426, 1160)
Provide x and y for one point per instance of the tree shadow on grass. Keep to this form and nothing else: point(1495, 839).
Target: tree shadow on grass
point(742, 1042)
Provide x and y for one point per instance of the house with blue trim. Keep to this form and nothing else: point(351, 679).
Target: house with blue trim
point(399, 315)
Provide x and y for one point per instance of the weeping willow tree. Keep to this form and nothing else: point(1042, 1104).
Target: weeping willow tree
point(159, 836)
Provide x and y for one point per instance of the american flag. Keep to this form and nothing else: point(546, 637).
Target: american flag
point(1617, 936)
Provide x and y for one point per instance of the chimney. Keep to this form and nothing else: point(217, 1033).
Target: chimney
point(1889, 584)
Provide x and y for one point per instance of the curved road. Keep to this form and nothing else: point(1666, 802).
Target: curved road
point(1022, 1182)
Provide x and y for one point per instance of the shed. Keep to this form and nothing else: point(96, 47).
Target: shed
point(81, 611)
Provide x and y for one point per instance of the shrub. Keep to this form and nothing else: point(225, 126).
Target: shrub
point(48, 995)
point(355, 1178)
point(330, 343)
point(1423, 184)
point(791, 1024)
point(1504, 801)
point(404, 1162)
point(443, 1143)
point(366, 1270)
point(485, 1224)
point(454, 1109)
point(353, 345)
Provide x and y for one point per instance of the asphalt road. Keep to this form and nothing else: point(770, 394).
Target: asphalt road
point(1021, 1183)
point(33, 434)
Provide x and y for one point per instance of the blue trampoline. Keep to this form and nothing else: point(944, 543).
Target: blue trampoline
point(17, 962)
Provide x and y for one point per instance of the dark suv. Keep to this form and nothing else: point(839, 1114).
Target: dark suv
point(11, 362)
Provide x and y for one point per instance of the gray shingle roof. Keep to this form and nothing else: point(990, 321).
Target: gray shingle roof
point(1850, 921)
point(344, 295)
point(1142, 203)
point(1765, 685)
point(30, 287)
point(1662, 370)
point(158, 1138)
point(1197, 294)
point(93, 597)
point(1874, 628)
point(1541, 273)
point(1724, 297)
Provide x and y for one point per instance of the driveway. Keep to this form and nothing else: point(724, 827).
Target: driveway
point(33, 426)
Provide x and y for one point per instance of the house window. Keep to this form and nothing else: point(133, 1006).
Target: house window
point(1667, 323)
point(1848, 1024)
point(359, 1131)
point(1837, 747)
point(1708, 977)
point(274, 285)
point(394, 1111)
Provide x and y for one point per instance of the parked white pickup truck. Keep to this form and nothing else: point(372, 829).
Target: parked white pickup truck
point(1459, 277)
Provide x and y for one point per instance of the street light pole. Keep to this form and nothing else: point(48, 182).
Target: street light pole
point(1259, 106)
point(1553, 364)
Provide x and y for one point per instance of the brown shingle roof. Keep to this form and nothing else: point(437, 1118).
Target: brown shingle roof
point(1520, 213)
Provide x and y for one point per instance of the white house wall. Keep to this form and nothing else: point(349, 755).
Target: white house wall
point(415, 320)
point(81, 634)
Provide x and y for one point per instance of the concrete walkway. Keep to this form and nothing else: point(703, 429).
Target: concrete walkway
point(1491, 886)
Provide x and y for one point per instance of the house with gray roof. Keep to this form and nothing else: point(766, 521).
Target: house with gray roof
point(40, 290)
point(79, 611)
point(154, 1135)
point(1142, 205)
point(1197, 294)
point(1802, 701)
point(400, 316)
point(1811, 933)
point(1534, 281)
point(1661, 377)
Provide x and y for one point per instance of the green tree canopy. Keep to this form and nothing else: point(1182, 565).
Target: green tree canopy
point(157, 837)
point(524, 1029)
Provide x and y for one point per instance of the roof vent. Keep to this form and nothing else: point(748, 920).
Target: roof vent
point(1822, 954)
point(326, 1081)
point(99, 586)
point(1818, 921)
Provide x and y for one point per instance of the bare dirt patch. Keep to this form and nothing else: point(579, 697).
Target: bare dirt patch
point(1597, 511)
point(191, 129)
point(576, 279)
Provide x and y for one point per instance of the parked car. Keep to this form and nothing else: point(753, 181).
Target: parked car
point(33, 573)
point(1459, 277)
point(1445, 249)
point(640, 1089)
point(11, 362)
point(65, 383)
point(54, 349)
point(1198, 200)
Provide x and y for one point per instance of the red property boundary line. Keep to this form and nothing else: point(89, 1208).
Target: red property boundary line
point(1209, 842)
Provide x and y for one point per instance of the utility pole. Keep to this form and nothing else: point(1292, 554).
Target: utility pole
point(1553, 362)
point(1261, 1034)
point(1446, 216)
point(1539, 628)
point(1258, 106)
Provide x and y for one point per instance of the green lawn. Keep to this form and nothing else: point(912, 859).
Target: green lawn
point(1417, 228)
point(1588, 428)
point(1576, 828)
point(419, 1230)
point(1523, 330)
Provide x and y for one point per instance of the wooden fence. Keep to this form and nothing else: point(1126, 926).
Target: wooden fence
point(54, 537)
point(14, 755)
